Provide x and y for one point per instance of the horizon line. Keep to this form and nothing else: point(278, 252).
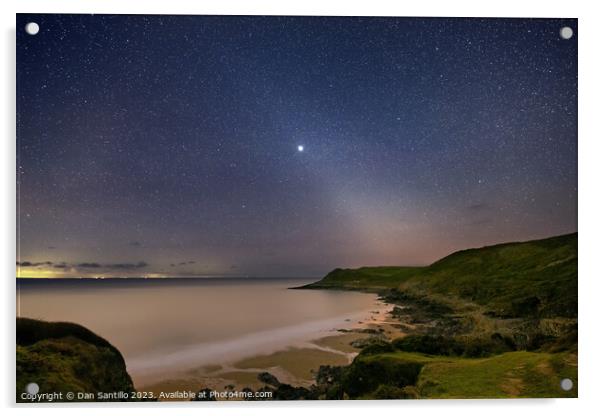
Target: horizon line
point(162, 277)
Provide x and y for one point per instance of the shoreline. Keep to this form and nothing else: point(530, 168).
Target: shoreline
point(295, 364)
point(428, 337)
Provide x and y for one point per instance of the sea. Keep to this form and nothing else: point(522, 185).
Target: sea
point(168, 325)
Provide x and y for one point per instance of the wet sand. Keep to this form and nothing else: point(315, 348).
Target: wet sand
point(189, 332)
point(296, 365)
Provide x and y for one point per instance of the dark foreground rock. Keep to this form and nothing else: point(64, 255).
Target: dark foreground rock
point(62, 357)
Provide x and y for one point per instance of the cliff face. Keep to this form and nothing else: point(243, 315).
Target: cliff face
point(65, 357)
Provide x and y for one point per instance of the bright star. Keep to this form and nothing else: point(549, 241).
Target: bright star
point(300, 148)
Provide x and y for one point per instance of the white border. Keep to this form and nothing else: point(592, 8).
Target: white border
point(590, 209)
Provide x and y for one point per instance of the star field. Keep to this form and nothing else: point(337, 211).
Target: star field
point(288, 146)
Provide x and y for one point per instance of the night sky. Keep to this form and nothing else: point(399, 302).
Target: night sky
point(169, 145)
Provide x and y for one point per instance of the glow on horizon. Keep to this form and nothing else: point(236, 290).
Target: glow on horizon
point(38, 273)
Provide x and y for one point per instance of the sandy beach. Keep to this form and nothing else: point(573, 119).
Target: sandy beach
point(296, 364)
point(211, 332)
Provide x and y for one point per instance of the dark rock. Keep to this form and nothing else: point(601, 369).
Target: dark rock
point(65, 357)
point(367, 331)
point(364, 342)
point(268, 378)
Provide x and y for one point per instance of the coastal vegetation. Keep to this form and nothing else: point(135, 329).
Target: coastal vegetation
point(63, 357)
point(498, 321)
point(508, 280)
point(493, 322)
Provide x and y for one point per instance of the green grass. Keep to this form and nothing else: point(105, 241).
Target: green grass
point(30, 331)
point(66, 357)
point(371, 278)
point(512, 374)
point(516, 292)
point(509, 280)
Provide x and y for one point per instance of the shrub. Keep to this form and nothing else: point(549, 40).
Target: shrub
point(525, 307)
point(428, 344)
point(377, 347)
point(365, 375)
point(468, 347)
point(386, 392)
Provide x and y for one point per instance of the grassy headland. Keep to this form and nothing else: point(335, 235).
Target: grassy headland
point(513, 279)
point(493, 322)
point(498, 321)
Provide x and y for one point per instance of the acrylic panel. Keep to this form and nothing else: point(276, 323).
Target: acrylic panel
point(295, 208)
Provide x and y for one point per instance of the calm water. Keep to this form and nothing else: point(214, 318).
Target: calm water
point(164, 326)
